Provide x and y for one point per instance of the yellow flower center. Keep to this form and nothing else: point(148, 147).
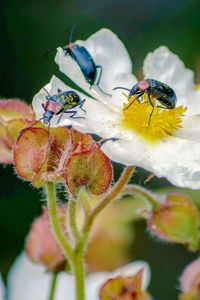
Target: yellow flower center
point(162, 123)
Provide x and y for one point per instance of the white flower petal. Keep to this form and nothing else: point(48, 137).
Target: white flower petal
point(29, 281)
point(2, 289)
point(176, 159)
point(99, 120)
point(190, 129)
point(107, 51)
point(165, 66)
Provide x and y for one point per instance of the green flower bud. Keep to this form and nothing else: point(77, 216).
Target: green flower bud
point(176, 220)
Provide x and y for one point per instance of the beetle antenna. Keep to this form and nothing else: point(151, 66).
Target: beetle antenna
point(72, 32)
point(37, 122)
point(46, 91)
point(121, 88)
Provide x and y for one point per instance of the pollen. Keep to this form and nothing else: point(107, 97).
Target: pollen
point(162, 123)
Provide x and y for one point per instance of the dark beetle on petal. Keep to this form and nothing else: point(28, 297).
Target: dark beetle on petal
point(86, 63)
point(155, 90)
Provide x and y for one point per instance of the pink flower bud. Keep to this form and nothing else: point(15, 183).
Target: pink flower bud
point(41, 246)
point(190, 281)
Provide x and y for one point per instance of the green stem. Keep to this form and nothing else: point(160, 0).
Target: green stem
point(54, 221)
point(133, 189)
point(75, 259)
point(72, 219)
point(111, 195)
point(83, 195)
point(78, 269)
point(53, 285)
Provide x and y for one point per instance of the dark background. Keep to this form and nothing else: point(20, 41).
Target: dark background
point(27, 30)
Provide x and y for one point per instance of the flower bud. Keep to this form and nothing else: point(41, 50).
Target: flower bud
point(124, 288)
point(176, 220)
point(41, 245)
point(190, 281)
point(14, 116)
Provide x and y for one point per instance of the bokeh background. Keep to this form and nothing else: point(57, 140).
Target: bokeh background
point(29, 29)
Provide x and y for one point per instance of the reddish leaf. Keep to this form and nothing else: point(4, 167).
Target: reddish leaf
point(91, 169)
point(30, 152)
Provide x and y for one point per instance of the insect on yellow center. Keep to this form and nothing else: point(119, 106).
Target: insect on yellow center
point(163, 122)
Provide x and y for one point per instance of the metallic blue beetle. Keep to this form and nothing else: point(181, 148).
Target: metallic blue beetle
point(86, 63)
point(61, 103)
point(155, 90)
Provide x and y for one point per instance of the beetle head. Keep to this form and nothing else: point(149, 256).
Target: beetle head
point(68, 48)
point(143, 85)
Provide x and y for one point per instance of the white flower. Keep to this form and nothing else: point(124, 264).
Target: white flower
point(29, 281)
point(161, 147)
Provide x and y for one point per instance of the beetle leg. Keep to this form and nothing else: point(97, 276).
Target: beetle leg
point(98, 81)
point(81, 105)
point(59, 90)
point(73, 112)
point(62, 112)
point(101, 70)
point(103, 91)
point(136, 98)
point(152, 109)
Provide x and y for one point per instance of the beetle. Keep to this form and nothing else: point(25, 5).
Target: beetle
point(85, 62)
point(155, 90)
point(61, 103)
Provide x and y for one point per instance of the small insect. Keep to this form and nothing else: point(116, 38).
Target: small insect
point(61, 103)
point(155, 90)
point(85, 62)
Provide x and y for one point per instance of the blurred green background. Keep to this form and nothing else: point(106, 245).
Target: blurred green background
point(27, 30)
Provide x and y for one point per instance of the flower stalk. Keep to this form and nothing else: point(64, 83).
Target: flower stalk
point(53, 286)
point(72, 219)
point(75, 259)
point(111, 195)
point(135, 190)
point(57, 230)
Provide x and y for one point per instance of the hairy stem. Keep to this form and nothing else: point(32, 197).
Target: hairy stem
point(55, 224)
point(75, 259)
point(83, 195)
point(78, 268)
point(72, 219)
point(111, 195)
point(133, 189)
point(53, 286)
